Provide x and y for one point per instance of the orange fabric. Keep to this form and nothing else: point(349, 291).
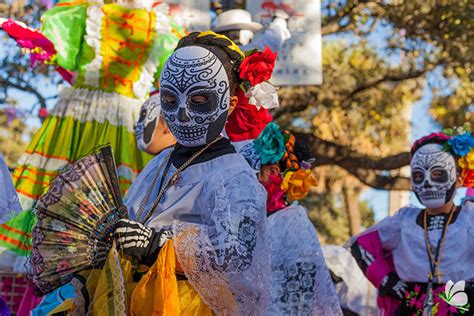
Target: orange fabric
point(16, 243)
point(14, 230)
point(157, 291)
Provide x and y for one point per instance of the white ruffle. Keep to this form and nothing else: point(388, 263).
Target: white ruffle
point(144, 84)
point(93, 105)
point(93, 38)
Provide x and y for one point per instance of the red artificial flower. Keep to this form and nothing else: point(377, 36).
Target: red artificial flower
point(246, 122)
point(258, 67)
point(468, 175)
point(275, 199)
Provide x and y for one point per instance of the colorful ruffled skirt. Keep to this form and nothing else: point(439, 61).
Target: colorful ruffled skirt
point(82, 120)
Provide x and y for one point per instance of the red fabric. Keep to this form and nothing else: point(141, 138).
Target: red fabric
point(29, 302)
point(246, 122)
point(258, 67)
point(30, 39)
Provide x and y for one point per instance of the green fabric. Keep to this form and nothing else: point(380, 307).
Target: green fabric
point(24, 222)
point(65, 27)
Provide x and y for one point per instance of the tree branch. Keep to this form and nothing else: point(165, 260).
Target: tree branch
point(26, 87)
point(367, 169)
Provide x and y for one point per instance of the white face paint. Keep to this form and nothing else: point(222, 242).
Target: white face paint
point(195, 95)
point(433, 175)
point(146, 125)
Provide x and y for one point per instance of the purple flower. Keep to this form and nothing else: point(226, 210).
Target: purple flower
point(461, 144)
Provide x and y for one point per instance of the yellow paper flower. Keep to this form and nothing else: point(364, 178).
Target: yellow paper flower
point(467, 162)
point(297, 184)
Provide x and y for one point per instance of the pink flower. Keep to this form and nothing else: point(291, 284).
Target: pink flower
point(417, 288)
point(275, 200)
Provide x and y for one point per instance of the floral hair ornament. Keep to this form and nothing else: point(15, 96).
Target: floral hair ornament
point(256, 96)
point(274, 146)
point(460, 143)
point(255, 71)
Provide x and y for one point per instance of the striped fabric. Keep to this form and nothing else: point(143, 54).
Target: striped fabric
point(117, 53)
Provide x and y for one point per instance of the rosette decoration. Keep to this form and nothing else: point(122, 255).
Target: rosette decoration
point(256, 96)
point(459, 142)
point(277, 147)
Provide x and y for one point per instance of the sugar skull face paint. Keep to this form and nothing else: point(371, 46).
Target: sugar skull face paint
point(195, 95)
point(146, 125)
point(433, 175)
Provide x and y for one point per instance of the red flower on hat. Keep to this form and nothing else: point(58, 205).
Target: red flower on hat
point(258, 67)
point(246, 122)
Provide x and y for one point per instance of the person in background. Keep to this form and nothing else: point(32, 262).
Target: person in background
point(151, 131)
point(237, 24)
point(415, 256)
point(300, 281)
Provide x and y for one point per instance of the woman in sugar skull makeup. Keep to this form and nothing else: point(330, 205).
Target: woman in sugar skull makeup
point(414, 257)
point(151, 131)
point(300, 281)
point(201, 194)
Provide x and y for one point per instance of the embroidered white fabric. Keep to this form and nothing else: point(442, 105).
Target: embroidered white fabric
point(9, 202)
point(226, 257)
point(92, 105)
point(405, 239)
point(300, 281)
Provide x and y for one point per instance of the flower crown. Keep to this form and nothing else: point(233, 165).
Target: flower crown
point(277, 146)
point(255, 70)
point(459, 142)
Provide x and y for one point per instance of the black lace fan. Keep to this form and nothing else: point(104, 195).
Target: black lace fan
point(76, 220)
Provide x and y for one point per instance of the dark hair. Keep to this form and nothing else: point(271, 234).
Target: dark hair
point(234, 35)
point(223, 48)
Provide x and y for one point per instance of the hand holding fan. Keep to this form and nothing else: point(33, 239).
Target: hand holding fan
point(76, 220)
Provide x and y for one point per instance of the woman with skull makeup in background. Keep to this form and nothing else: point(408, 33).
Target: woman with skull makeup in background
point(413, 256)
point(201, 193)
point(151, 131)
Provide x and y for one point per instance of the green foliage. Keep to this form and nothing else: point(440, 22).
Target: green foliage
point(13, 139)
point(327, 212)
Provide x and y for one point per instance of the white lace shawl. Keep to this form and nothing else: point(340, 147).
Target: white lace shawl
point(300, 281)
point(217, 211)
point(9, 202)
point(226, 259)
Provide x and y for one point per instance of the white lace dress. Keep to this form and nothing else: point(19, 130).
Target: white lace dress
point(217, 214)
point(300, 281)
point(9, 202)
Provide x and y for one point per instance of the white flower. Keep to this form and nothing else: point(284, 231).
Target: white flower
point(263, 95)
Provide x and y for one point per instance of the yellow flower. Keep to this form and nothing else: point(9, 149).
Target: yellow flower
point(467, 162)
point(297, 184)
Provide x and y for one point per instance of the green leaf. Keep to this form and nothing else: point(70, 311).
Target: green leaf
point(448, 131)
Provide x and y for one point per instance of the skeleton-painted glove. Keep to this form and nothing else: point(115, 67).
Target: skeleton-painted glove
point(140, 242)
point(392, 285)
